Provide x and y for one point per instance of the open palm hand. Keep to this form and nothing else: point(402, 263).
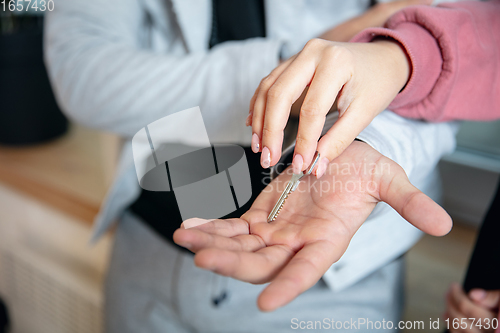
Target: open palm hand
point(314, 227)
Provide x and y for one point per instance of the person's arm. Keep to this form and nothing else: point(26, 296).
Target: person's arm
point(365, 78)
point(454, 53)
point(376, 16)
point(105, 77)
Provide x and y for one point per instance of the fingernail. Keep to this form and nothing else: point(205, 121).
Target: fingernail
point(265, 158)
point(297, 164)
point(477, 294)
point(323, 164)
point(249, 119)
point(194, 222)
point(255, 143)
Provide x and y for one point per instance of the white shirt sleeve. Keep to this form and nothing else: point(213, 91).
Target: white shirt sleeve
point(106, 76)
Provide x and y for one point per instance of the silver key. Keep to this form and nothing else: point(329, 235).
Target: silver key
point(291, 186)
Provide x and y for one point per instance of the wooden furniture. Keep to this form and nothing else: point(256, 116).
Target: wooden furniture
point(50, 276)
point(71, 173)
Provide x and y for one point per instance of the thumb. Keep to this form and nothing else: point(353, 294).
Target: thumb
point(413, 205)
point(343, 132)
point(488, 299)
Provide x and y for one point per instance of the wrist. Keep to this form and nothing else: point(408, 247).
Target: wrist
point(398, 58)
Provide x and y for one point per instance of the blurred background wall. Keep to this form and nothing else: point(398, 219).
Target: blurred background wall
point(470, 174)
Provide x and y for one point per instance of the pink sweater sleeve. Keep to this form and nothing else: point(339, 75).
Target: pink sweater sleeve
point(454, 50)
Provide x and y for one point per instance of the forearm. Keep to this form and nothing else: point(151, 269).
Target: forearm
point(347, 30)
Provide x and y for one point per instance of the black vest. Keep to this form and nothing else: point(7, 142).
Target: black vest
point(232, 20)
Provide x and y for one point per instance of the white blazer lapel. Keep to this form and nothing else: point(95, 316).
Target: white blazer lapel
point(195, 20)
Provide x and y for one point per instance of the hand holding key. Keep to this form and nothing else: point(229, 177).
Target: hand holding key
point(364, 78)
point(313, 229)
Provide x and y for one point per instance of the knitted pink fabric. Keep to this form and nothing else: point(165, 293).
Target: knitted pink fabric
point(454, 50)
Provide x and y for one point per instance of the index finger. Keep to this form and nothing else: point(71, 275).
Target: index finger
point(196, 240)
point(258, 104)
point(280, 97)
point(227, 228)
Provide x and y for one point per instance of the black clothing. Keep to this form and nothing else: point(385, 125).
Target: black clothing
point(232, 20)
